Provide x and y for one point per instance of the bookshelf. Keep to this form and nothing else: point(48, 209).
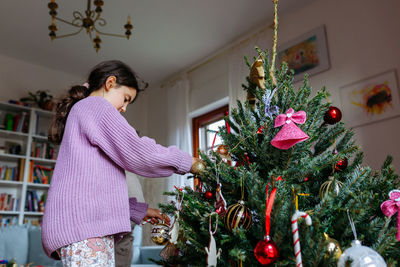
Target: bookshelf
point(27, 161)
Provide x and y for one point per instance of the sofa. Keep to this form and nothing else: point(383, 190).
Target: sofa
point(23, 244)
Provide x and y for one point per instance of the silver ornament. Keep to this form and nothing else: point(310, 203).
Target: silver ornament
point(361, 256)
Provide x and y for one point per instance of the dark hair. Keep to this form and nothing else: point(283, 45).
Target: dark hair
point(97, 78)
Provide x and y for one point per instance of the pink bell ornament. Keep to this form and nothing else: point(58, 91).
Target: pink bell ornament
point(391, 207)
point(290, 134)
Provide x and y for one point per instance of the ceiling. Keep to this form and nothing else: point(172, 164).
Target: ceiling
point(168, 35)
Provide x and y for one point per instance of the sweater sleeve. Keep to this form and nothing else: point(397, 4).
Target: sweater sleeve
point(137, 210)
point(110, 131)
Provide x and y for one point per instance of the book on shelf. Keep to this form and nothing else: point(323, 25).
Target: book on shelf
point(8, 202)
point(43, 149)
point(16, 122)
point(40, 174)
point(12, 172)
point(33, 202)
point(6, 221)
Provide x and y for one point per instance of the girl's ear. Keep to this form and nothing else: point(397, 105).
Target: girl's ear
point(110, 82)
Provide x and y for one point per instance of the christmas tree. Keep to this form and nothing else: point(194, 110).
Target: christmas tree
point(284, 151)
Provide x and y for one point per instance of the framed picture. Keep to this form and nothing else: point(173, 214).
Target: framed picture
point(371, 99)
point(307, 53)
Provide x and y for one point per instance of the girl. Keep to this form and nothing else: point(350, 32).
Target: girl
point(87, 208)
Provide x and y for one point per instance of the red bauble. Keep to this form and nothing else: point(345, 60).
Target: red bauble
point(208, 194)
point(341, 165)
point(266, 251)
point(333, 115)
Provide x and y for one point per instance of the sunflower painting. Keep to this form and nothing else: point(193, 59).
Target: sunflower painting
point(371, 99)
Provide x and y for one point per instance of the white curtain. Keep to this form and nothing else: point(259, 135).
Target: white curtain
point(178, 125)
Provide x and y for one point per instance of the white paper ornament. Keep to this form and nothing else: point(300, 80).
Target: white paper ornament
point(361, 256)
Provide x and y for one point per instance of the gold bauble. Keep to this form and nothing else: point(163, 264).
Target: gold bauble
point(160, 234)
point(333, 247)
point(198, 167)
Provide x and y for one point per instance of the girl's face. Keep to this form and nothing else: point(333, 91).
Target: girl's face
point(120, 96)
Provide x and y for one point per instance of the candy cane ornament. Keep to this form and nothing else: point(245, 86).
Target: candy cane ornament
point(295, 230)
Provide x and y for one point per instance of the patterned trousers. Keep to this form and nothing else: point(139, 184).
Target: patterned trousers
point(96, 252)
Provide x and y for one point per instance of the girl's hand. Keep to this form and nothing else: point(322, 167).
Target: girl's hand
point(154, 215)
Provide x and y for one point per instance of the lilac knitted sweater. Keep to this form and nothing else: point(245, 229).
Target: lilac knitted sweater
point(88, 195)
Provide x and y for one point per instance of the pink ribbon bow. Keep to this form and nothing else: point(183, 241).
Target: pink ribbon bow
point(390, 207)
point(298, 117)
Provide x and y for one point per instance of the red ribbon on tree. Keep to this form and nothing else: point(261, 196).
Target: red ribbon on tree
point(269, 204)
point(228, 128)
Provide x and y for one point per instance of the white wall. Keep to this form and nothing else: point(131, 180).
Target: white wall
point(363, 40)
point(17, 77)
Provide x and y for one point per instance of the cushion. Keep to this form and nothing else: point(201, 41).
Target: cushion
point(14, 243)
point(36, 254)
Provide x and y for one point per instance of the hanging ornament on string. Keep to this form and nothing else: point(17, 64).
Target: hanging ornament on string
point(332, 185)
point(197, 168)
point(290, 134)
point(295, 229)
point(171, 249)
point(269, 110)
point(333, 247)
point(266, 251)
point(358, 255)
point(332, 115)
point(391, 206)
point(159, 234)
point(212, 253)
point(257, 72)
point(341, 165)
point(222, 150)
point(220, 203)
point(238, 215)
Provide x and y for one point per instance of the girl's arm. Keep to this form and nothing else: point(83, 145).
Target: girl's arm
point(106, 128)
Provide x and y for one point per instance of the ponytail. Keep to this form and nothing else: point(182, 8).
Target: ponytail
point(56, 130)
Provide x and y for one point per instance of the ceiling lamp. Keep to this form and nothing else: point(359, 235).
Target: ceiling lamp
point(87, 21)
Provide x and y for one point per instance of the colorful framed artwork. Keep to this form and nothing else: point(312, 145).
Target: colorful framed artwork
point(307, 53)
point(369, 100)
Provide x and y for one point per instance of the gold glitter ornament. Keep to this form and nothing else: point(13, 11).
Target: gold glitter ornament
point(198, 167)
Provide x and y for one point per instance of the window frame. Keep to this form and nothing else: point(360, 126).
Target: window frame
point(203, 120)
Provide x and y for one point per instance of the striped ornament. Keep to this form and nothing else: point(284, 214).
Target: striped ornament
point(237, 215)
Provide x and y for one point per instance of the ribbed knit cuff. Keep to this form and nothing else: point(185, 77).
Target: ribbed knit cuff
point(186, 163)
point(137, 210)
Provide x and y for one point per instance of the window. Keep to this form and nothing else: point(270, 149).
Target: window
point(204, 128)
point(203, 137)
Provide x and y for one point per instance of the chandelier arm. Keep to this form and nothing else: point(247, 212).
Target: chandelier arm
point(109, 34)
point(100, 21)
point(67, 35)
point(67, 22)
